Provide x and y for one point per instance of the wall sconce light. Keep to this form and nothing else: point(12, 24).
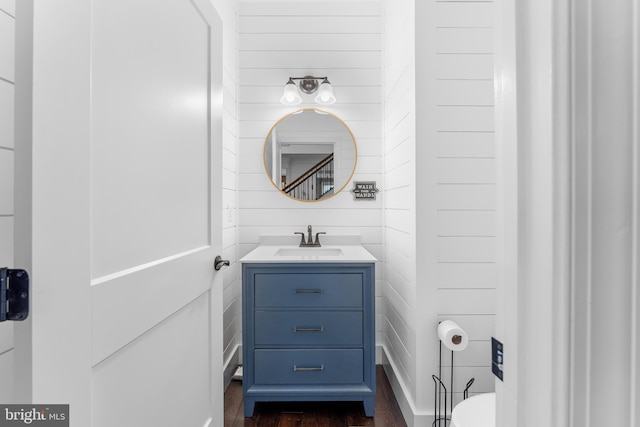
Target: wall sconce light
point(308, 85)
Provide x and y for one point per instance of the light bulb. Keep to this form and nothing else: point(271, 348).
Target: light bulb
point(290, 95)
point(325, 94)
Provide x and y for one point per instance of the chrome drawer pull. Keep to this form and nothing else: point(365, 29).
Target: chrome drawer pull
point(308, 291)
point(296, 369)
point(318, 329)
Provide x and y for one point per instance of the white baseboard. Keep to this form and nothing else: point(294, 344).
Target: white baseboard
point(412, 416)
point(231, 365)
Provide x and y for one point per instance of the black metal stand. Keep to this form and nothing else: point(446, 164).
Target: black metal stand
point(443, 418)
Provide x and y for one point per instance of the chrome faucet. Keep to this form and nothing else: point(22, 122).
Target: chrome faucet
point(309, 243)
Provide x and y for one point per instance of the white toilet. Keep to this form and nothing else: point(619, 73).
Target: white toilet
point(476, 411)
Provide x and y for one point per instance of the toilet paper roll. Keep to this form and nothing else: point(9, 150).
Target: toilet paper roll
point(452, 335)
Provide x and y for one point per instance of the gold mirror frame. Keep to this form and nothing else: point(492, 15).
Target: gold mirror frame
point(266, 155)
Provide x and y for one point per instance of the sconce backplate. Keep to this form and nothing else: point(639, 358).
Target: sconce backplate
point(308, 85)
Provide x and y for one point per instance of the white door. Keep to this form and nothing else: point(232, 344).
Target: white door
point(7, 37)
point(120, 141)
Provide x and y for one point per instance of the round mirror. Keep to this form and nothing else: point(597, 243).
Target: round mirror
point(310, 154)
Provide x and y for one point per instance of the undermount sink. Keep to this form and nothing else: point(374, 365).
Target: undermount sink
point(309, 251)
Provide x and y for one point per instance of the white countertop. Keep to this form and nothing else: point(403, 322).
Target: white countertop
point(285, 249)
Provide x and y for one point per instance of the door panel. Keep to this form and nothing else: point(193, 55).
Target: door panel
point(162, 378)
point(150, 145)
point(132, 303)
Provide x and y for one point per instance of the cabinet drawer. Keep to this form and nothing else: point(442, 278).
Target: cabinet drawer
point(308, 290)
point(303, 328)
point(309, 367)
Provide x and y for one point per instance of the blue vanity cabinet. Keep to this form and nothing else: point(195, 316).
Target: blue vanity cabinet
point(308, 333)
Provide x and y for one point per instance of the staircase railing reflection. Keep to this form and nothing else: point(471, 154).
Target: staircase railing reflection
point(315, 183)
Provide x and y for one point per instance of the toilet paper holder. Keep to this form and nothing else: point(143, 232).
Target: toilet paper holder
point(443, 406)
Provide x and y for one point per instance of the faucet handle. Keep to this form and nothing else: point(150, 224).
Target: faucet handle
point(302, 241)
point(317, 242)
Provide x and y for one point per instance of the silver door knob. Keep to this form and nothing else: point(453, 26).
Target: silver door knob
point(218, 263)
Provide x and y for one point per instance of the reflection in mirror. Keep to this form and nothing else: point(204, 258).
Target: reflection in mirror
point(310, 154)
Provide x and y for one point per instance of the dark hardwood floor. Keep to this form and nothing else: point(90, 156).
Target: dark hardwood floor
point(314, 414)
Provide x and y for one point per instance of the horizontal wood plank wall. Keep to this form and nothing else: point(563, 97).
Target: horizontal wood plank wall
point(440, 195)
point(465, 180)
point(7, 55)
point(400, 326)
point(282, 39)
point(232, 324)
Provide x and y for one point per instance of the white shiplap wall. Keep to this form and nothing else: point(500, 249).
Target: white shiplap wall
point(7, 56)
point(227, 9)
point(279, 39)
point(465, 167)
point(399, 291)
point(440, 193)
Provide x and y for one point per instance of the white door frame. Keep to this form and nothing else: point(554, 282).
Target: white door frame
point(568, 122)
point(534, 163)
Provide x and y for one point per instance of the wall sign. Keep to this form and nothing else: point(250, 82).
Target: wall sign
point(364, 190)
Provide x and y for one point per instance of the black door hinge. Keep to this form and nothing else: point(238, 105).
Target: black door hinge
point(14, 294)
